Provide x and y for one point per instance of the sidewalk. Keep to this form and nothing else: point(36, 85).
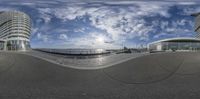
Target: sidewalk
point(90, 63)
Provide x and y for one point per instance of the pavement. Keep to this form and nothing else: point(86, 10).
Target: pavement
point(155, 76)
point(85, 62)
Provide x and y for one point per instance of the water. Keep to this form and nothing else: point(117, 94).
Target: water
point(76, 51)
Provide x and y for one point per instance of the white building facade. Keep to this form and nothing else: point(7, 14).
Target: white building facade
point(15, 30)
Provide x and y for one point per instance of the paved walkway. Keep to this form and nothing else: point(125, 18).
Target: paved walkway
point(90, 63)
point(156, 76)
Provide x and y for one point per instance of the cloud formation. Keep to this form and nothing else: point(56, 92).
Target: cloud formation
point(119, 23)
point(80, 24)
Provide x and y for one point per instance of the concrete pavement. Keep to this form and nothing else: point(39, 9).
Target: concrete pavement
point(156, 76)
point(98, 62)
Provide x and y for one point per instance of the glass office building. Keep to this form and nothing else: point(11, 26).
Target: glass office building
point(175, 44)
point(15, 29)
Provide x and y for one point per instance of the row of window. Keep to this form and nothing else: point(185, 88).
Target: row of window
point(15, 28)
point(8, 23)
point(7, 26)
point(15, 33)
point(10, 31)
point(15, 21)
point(18, 36)
point(176, 46)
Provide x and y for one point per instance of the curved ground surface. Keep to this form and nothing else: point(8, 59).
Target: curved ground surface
point(156, 76)
point(146, 69)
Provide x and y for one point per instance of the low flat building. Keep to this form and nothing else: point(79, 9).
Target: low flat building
point(175, 44)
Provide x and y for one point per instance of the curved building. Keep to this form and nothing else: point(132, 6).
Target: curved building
point(197, 23)
point(175, 44)
point(15, 29)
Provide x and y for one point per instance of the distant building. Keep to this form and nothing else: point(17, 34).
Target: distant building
point(175, 44)
point(15, 30)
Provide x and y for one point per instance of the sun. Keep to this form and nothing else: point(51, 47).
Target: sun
point(100, 40)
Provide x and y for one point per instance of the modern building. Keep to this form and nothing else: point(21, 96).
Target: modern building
point(180, 43)
point(197, 24)
point(15, 30)
point(175, 44)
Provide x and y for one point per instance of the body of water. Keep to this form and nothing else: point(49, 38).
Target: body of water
point(76, 51)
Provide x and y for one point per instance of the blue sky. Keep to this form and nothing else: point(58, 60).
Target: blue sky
point(106, 24)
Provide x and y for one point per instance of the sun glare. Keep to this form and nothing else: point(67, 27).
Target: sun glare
point(100, 40)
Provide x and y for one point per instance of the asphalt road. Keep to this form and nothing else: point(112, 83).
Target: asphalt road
point(156, 76)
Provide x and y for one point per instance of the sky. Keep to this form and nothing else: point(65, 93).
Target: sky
point(105, 24)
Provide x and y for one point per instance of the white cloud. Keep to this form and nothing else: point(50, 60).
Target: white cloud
point(34, 30)
point(181, 22)
point(190, 10)
point(42, 37)
point(159, 35)
point(169, 2)
point(60, 30)
point(187, 3)
point(164, 25)
point(80, 30)
point(69, 13)
point(7, 8)
point(45, 14)
point(119, 23)
point(92, 40)
point(63, 37)
point(176, 26)
point(170, 29)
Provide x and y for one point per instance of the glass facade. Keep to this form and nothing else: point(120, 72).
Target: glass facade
point(176, 45)
point(1, 45)
point(180, 45)
point(17, 45)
